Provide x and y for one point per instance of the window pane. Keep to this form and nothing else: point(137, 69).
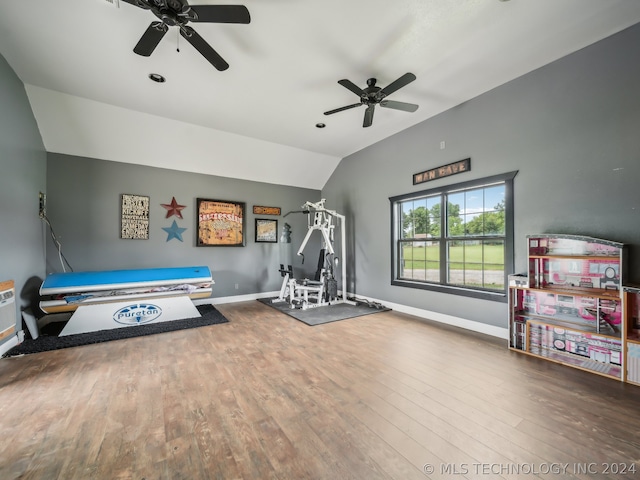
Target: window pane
point(494, 198)
point(406, 230)
point(494, 264)
point(468, 222)
point(474, 201)
point(435, 209)
point(455, 207)
point(480, 212)
point(432, 264)
point(433, 202)
point(455, 262)
point(474, 212)
point(420, 218)
point(405, 255)
point(434, 227)
point(456, 199)
point(494, 223)
point(494, 210)
point(415, 219)
point(476, 263)
point(420, 261)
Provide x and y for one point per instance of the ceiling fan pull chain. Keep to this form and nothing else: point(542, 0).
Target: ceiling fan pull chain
point(178, 40)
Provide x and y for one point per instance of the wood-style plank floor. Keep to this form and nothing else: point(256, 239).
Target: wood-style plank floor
point(385, 396)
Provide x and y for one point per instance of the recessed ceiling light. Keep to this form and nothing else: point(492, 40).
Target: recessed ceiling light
point(156, 77)
point(320, 125)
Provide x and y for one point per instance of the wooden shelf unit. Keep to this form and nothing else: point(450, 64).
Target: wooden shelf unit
point(573, 308)
point(631, 302)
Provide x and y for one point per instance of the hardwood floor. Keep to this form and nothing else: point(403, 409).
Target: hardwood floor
point(267, 397)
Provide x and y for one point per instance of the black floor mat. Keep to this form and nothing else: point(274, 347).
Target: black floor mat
point(48, 340)
point(326, 314)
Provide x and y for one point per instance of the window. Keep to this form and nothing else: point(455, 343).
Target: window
point(455, 239)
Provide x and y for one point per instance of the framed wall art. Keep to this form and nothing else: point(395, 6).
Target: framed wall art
point(266, 231)
point(261, 210)
point(220, 223)
point(134, 217)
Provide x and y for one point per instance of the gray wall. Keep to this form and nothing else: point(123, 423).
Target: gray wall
point(22, 177)
point(571, 129)
point(84, 209)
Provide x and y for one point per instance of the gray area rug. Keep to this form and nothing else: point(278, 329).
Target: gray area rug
point(330, 313)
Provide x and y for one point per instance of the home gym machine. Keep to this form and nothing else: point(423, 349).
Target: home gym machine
point(323, 289)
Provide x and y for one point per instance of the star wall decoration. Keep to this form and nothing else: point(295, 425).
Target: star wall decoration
point(173, 208)
point(174, 231)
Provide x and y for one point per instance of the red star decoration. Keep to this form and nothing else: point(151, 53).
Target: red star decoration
point(173, 208)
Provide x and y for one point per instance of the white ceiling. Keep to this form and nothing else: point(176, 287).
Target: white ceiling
point(91, 95)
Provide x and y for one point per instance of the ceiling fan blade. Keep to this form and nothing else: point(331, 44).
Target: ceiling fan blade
point(204, 48)
point(221, 13)
point(398, 84)
point(405, 107)
point(343, 108)
point(150, 39)
point(351, 86)
point(138, 3)
point(368, 116)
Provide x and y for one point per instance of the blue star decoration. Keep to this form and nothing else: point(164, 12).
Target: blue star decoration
point(174, 231)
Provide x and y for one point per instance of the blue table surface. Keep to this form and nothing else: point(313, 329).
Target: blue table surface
point(82, 279)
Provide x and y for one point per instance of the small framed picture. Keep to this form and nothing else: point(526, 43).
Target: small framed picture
point(266, 231)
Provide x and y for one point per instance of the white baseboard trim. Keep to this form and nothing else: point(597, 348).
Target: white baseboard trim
point(235, 298)
point(494, 331)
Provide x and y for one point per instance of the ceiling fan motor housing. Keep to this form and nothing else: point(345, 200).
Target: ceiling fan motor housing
point(174, 12)
point(168, 17)
point(372, 95)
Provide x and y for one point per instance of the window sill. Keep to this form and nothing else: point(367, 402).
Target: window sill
point(453, 290)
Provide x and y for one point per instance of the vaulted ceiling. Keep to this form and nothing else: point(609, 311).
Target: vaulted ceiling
point(92, 96)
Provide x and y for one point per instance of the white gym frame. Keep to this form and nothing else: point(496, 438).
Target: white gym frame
point(310, 293)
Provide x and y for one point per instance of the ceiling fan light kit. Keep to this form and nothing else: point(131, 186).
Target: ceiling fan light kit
point(373, 95)
point(177, 13)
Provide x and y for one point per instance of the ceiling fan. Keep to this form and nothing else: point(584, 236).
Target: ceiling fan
point(373, 95)
point(178, 13)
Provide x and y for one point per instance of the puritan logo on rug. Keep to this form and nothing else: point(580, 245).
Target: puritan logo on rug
point(137, 314)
